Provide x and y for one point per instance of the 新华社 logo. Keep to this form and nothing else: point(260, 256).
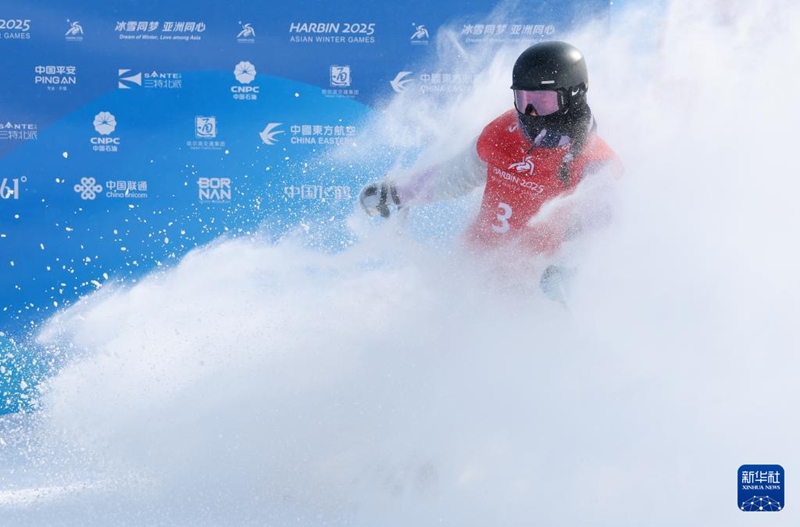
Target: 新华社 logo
point(761, 488)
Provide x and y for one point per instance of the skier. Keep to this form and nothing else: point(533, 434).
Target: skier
point(540, 150)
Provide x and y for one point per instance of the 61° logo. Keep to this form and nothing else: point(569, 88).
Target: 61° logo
point(10, 189)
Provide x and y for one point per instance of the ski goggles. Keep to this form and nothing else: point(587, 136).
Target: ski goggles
point(537, 102)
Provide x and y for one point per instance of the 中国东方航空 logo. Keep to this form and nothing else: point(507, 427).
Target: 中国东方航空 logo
point(433, 82)
point(269, 135)
point(761, 488)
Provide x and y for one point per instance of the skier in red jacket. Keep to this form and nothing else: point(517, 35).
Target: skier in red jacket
point(544, 148)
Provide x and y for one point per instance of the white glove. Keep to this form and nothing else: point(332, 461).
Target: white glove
point(377, 197)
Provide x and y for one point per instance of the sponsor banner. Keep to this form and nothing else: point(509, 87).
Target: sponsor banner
point(116, 118)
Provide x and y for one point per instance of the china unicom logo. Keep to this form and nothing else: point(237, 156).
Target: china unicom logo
point(244, 72)
point(105, 123)
point(88, 188)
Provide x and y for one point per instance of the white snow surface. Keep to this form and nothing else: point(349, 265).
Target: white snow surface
point(403, 383)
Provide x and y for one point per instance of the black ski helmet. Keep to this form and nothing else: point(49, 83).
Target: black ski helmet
point(560, 67)
point(550, 65)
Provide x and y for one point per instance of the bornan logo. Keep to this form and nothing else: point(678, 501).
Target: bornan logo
point(214, 189)
point(523, 166)
point(244, 72)
point(269, 134)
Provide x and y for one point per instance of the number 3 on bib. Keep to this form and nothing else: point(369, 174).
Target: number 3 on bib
point(502, 225)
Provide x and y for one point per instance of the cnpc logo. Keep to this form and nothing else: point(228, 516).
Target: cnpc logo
point(104, 140)
point(245, 89)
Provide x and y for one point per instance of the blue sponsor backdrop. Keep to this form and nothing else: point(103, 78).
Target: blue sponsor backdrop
point(132, 132)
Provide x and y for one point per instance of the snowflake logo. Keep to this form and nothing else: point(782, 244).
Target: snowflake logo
point(105, 123)
point(88, 188)
point(244, 72)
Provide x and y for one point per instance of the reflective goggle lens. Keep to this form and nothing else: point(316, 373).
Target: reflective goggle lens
point(538, 102)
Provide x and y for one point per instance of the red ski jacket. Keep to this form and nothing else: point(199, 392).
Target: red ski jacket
point(521, 178)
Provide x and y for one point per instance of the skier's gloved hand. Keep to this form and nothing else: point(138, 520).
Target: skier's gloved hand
point(376, 198)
